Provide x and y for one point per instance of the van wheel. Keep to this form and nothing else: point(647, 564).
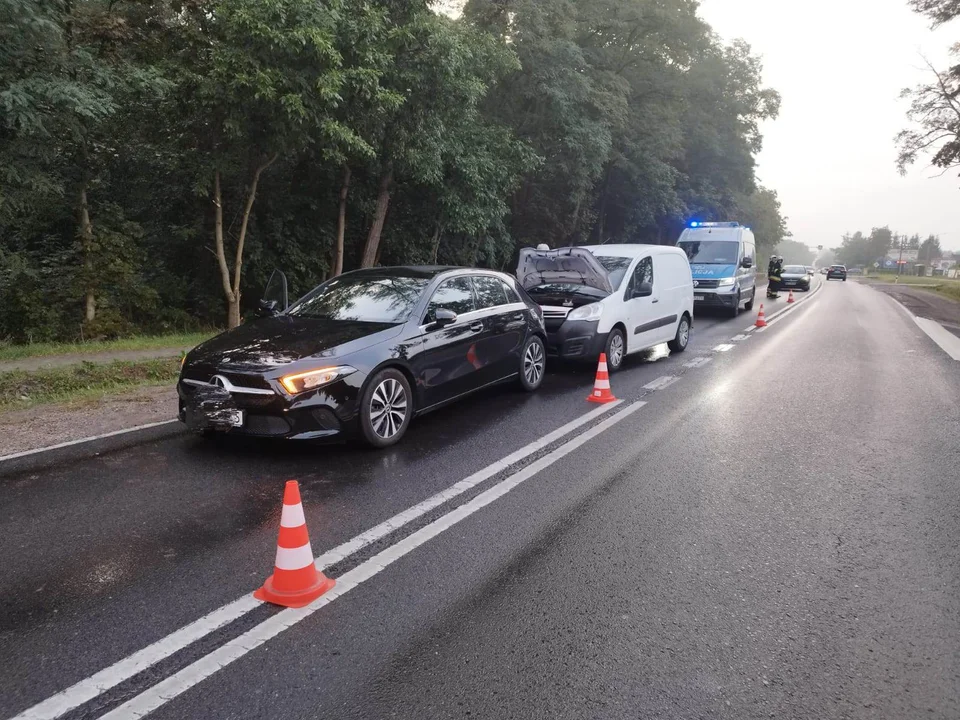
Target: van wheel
point(386, 408)
point(749, 306)
point(735, 310)
point(616, 349)
point(679, 343)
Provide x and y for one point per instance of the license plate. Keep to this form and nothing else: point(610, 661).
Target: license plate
point(234, 418)
point(698, 298)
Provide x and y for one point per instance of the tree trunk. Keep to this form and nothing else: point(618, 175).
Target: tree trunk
point(86, 237)
point(232, 289)
point(436, 243)
point(233, 306)
point(341, 221)
point(372, 247)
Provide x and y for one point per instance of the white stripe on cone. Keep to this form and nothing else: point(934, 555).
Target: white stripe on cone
point(602, 367)
point(601, 385)
point(292, 516)
point(294, 558)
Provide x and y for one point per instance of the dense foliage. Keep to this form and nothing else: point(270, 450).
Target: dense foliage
point(158, 158)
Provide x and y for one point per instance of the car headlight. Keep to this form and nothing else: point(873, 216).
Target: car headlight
point(312, 379)
point(593, 311)
point(726, 282)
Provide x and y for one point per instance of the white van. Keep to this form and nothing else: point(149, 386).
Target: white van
point(617, 299)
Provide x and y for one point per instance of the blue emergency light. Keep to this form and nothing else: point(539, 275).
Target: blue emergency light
point(697, 223)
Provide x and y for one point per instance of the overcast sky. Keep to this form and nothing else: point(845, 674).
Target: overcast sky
point(839, 66)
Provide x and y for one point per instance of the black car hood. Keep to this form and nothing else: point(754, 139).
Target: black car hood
point(275, 341)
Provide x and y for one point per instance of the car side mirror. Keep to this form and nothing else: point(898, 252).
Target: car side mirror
point(269, 307)
point(644, 289)
point(747, 263)
point(443, 318)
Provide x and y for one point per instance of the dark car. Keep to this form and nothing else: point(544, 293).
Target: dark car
point(837, 271)
point(365, 353)
point(796, 277)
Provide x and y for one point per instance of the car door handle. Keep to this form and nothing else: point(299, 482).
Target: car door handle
point(476, 327)
point(655, 300)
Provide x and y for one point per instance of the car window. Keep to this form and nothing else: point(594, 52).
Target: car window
point(362, 298)
point(795, 269)
point(455, 294)
point(616, 268)
point(716, 252)
point(643, 273)
point(489, 292)
point(512, 296)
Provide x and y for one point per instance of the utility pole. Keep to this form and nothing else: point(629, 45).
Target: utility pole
point(900, 261)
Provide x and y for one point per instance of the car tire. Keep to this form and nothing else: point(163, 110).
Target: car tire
point(735, 310)
point(682, 338)
point(749, 306)
point(615, 349)
point(381, 424)
point(533, 364)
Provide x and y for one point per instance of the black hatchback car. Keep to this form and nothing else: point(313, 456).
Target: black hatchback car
point(365, 353)
point(837, 271)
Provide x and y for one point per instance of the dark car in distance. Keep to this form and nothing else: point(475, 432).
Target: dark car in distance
point(796, 276)
point(837, 271)
point(364, 353)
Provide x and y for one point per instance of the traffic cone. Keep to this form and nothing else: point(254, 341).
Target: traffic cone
point(761, 320)
point(601, 386)
point(790, 298)
point(295, 581)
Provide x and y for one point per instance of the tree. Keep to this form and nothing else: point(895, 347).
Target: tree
point(255, 80)
point(930, 250)
point(940, 11)
point(935, 109)
point(795, 253)
point(760, 211)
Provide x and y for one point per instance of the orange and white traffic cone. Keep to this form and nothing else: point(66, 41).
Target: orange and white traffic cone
point(790, 298)
point(295, 581)
point(761, 320)
point(601, 386)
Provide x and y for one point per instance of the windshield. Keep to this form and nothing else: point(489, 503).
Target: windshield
point(711, 252)
point(362, 298)
point(616, 268)
point(795, 270)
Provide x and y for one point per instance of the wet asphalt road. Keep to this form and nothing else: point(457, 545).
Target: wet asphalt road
point(713, 554)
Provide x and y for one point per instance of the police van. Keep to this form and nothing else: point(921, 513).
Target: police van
point(723, 259)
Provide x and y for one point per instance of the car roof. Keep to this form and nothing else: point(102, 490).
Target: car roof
point(415, 271)
point(630, 250)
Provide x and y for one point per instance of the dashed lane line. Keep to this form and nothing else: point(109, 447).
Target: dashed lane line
point(661, 382)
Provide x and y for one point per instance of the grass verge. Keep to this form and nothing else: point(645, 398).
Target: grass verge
point(948, 287)
point(20, 389)
point(143, 342)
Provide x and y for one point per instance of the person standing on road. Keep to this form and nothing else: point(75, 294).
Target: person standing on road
point(773, 276)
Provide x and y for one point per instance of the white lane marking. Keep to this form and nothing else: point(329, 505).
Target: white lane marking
point(784, 309)
point(738, 338)
point(723, 348)
point(947, 341)
point(661, 382)
point(97, 684)
point(697, 362)
point(48, 448)
point(173, 686)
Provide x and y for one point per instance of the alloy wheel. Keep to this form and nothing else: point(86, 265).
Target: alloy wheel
point(533, 363)
point(388, 408)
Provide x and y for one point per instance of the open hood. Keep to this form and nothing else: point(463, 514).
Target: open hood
point(572, 265)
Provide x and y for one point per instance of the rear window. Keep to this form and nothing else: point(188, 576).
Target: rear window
point(838, 267)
